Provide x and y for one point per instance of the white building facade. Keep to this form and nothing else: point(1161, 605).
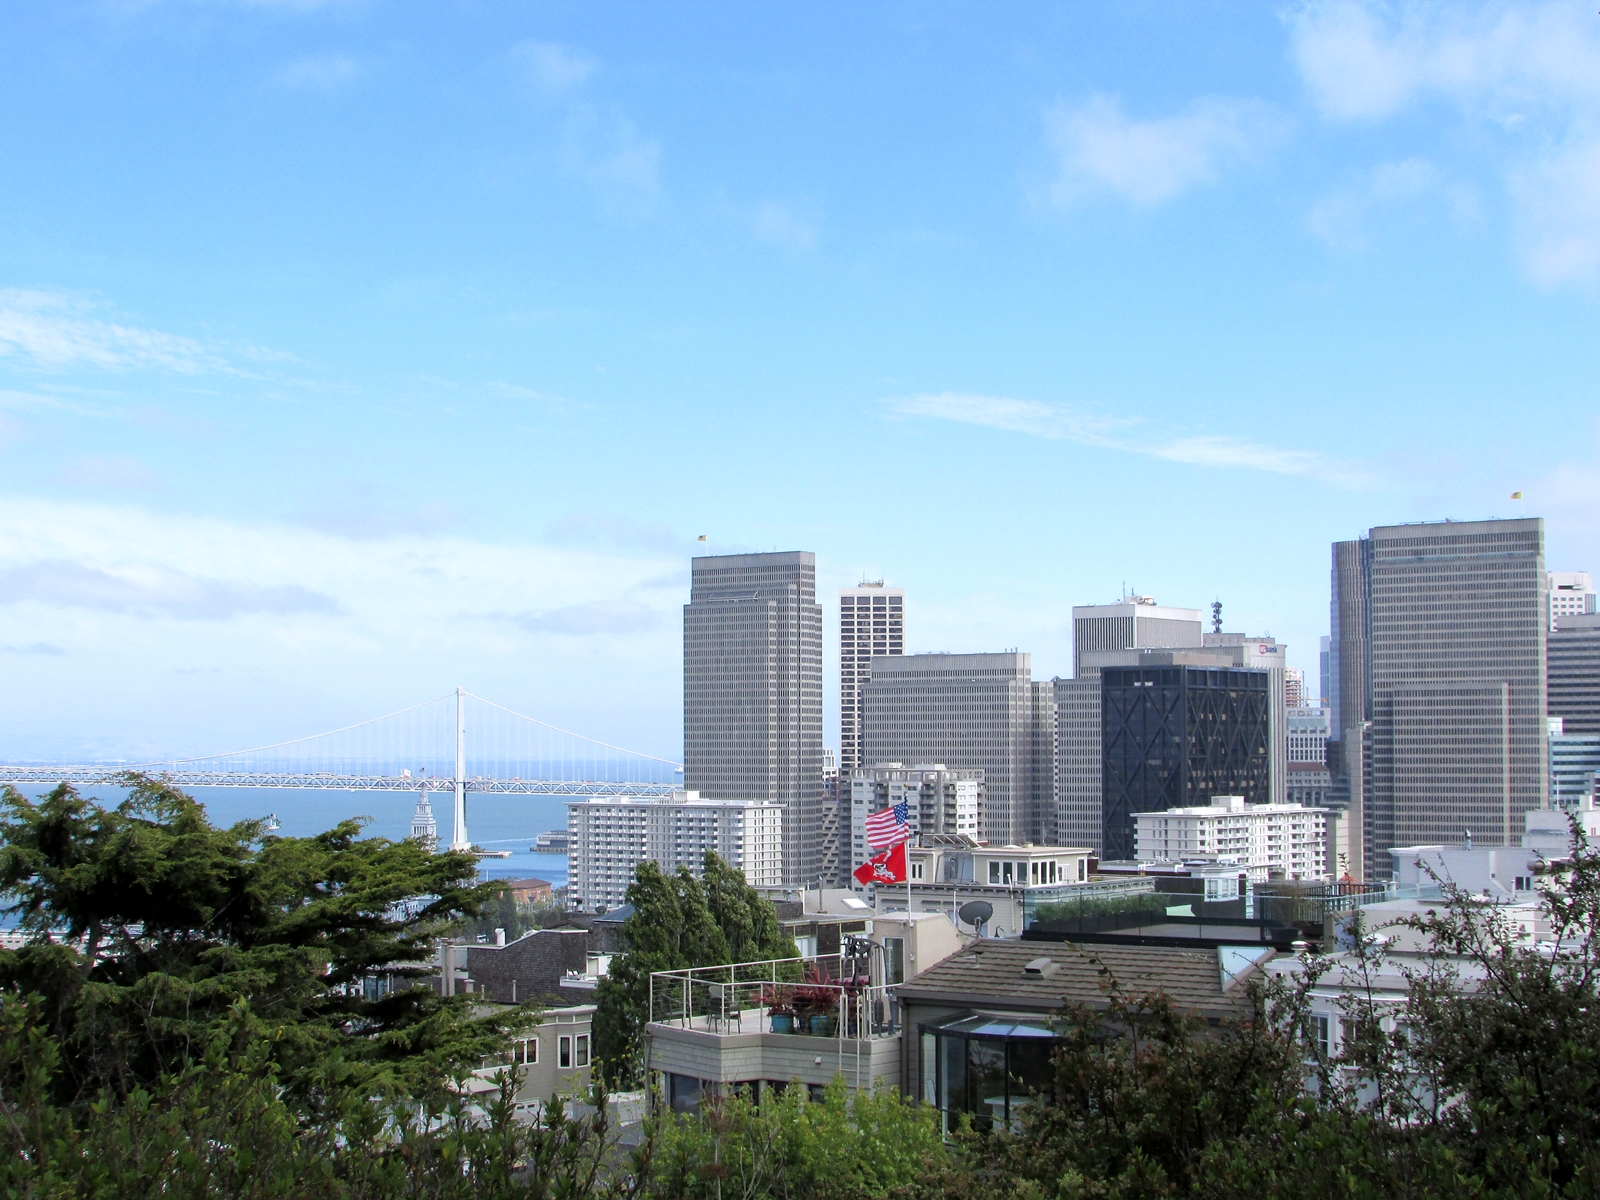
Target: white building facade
point(1571, 594)
point(938, 800)
point(1287, 840)
point(612, 836)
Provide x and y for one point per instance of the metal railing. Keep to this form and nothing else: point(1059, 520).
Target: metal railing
point(828, 995)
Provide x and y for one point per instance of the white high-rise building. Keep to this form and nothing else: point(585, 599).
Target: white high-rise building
point(938, 800)
point(612, 836)
point(1286, 840)
point(1308, 778)
point(1571, 594)
point(871, 623)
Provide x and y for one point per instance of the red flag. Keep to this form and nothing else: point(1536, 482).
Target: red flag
point(888, 867)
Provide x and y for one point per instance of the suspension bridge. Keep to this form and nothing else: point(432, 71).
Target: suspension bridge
point(424, 748)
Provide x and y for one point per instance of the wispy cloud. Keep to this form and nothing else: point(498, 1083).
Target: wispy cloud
point(121, 473)
point(597, 618)
point(779, 224)
point(1345, 218)
point(54, 331)
point(319, 72)
point(1061, 423)
point(1525, 77)
point(152, 592)
point(594, 530)
point(40, 649)
point(1100, 149)
point(551, 68)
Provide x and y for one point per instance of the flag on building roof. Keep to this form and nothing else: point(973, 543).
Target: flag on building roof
point(1516, 495)
point(887, 867)
point(889, 826)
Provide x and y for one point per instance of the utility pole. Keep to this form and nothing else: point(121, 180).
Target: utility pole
point(458, 830)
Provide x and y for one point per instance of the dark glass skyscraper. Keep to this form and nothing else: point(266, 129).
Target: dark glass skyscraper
point(752, 692)
point(1174, 735)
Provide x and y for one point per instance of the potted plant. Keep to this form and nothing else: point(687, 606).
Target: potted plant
point(779, 1003)
point(814, 1003)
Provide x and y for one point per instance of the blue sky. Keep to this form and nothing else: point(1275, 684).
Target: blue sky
point(353, 350)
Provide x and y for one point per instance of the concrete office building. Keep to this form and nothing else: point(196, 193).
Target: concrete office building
point(1294, 687)
point(1571, 594)
point(1574, 763)
point(1179, 729)
point(982, 711)
point(871, 623)
point(1307, 733)
point(1099, 630)
point(1439, 682)
point(752, 692)
point(939, 801)
point(1288, 841)
point(1573, 687)
point(612, 836)
point(1133, 623)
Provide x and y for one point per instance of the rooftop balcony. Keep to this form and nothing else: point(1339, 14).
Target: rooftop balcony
point(768, 1024)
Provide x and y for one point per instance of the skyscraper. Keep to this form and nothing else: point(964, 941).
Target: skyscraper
point(1101, 634)
point(973, 710)
point(752, 692)
point(1574, 683)
point(1439, 644)
point(1178, 730)
point(871, 622)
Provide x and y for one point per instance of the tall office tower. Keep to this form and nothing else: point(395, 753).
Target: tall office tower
point(1574, 686)
point(1349, 666)
point(1264, 653)
point(1078, 799)
point(1571, 594)
point(1308, 781)
point(978, 710)
point(1294, 687)
point(1100, 634)
point(872, 621)
point(752, 692)
point(1324, 657)
point(1574, 763)
point(1179, 729)
point(1439, 634)
point(1134, 623)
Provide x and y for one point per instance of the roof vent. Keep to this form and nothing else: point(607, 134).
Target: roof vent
point(1038, 968)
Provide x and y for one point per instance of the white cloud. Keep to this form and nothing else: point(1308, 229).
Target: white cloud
point(55, 332)
point(146, 590)
point(596, 617)
point(779, 225)
point(552, 68)
point(1102, 149)
point(1344, 218)
point(115, 472)
point(320, 72)
point(1060, 423)
point(1525, 77)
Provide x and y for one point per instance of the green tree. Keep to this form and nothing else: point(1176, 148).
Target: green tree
point(678, 921)
point(167, 923)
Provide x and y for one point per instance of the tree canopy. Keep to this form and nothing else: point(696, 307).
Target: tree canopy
point(150, 927)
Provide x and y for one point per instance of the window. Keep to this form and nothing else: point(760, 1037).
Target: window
point(1006, 872)
point(564, 1052)
point(1321, 1027)
point(894, 959)
point(916, 870)
point(583, 1050)
point(530, 1051)
point(994, 872)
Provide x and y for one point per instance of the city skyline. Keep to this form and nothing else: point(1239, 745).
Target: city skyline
point(350, 353)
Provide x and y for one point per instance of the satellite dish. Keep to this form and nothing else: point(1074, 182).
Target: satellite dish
point(976, 912)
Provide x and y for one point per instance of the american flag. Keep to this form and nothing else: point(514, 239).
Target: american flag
point(888, 827)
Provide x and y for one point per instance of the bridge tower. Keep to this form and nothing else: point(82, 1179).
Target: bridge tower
point(458, 828)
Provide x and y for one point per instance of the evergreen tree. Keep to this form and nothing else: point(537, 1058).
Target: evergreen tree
point(169, 923)
point(747, 919)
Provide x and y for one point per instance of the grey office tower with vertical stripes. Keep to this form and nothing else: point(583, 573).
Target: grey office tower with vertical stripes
point(752, 691)
point(1439, 654)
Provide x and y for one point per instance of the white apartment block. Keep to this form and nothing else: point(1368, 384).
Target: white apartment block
point(1571, 594)
point(871, 623)
point(1287, 840)
point(938, 800)
point(610, 837)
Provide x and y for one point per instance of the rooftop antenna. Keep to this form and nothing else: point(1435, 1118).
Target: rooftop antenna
point(1216, 616)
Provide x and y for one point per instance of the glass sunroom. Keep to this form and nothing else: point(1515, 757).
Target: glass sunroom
point(989, 1066)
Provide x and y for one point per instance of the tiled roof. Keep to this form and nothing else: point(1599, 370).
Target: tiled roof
point(993, 973)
